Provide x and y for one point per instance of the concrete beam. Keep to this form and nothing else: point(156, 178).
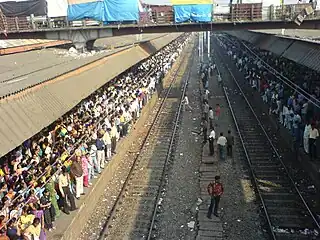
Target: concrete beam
point(90, 33)
point(81, 38)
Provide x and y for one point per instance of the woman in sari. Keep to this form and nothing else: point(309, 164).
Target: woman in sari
point(50, 186)
point(38, 213)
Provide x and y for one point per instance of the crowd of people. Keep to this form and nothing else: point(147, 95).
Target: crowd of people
point(211, 117)
point(290, 89)
point(44, 175)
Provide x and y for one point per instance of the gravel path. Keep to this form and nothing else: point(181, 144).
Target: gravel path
point(182, 185)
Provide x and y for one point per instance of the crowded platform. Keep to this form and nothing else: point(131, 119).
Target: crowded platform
point(47, 173)
point(290, 90)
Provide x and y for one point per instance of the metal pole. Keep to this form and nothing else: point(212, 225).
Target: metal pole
point(199, 47)
point(202, 46)
point(208, 45)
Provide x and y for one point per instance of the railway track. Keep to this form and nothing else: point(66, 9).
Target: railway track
point(133, 216)
point(287, 213)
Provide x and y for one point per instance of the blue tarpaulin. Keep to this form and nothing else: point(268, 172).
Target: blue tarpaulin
point(193, 12)
point(104, 10)
point(93, 10)
point(121, 10)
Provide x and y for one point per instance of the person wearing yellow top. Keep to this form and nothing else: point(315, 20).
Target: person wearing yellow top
point(33, 231)
point(25, 219)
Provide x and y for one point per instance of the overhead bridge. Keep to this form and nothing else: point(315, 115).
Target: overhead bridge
point(237, 17)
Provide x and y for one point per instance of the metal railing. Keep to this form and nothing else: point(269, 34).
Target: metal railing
point(221, 13)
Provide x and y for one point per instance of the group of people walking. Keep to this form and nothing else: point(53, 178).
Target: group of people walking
point(210, 121)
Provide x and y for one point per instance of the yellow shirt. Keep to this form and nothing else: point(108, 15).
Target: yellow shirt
point(64, 156)
point(26, 221)
point(122, 120)
point(35, 231)
point(63, 180)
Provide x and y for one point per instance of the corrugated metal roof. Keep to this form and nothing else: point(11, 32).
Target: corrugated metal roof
point(279, 45)
point(21, 42)
point(27, 113)
point(296, 51)
point(302, 52)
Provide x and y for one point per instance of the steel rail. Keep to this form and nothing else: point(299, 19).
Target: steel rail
point(113, 211)
point(169, 153)
point(271, 144)
point(248, 159)
point(280, 76)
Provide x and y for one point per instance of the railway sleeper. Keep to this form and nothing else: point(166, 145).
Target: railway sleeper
point(265, 164)
point(291, 222)
point(278, 203)
point(279, 196)
point(274, 210)
point(293, 236)
point(275, 189)
point(273, 184)
point(142, 187)
point(269, 171)
point(271, 177)
point(140, 198)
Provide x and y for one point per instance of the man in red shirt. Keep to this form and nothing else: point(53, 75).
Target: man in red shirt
point(215, 190)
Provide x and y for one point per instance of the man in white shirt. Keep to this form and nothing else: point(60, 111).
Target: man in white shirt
point(186, 103)
point(206, 95)
point(212, 137)
point(313, 136)
point(222, 141)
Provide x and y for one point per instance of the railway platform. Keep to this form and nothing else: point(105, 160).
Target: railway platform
point(237, 200)
point(209, 168)
point(278, 131)
point(280, 181)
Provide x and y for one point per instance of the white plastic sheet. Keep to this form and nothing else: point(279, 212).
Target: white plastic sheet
point(57, 8)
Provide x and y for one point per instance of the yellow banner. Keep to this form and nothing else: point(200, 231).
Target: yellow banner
point(187, 2)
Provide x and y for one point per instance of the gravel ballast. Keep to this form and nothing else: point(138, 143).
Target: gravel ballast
point(239, 211)
point(182, 187)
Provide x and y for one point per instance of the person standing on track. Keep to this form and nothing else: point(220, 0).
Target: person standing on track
point(212, 137)
point(205, 109)
point(211, 117)
point(204, 125)
point(230, 143)
point(215, 191)
point(222, 141)
point(313, 136)
point(217, 111)
point(186, 103)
